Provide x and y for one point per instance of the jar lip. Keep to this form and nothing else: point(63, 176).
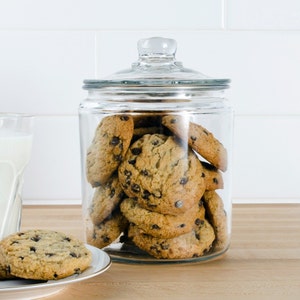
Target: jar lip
point(211, 84)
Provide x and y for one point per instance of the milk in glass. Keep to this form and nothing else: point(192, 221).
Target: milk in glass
point(15, 149)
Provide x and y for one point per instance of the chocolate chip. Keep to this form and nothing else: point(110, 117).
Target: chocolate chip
point(73, 254)
point(49, 254)
point(132, 161)
point(199, 222)
point(135, 188)
point(183, 180)
point(33, 249)
point(136, 151)
point(21, 257)
point(115, 141)
point(215, 180)
point(164, 246)
point(203, 175)
point(197, 235)
point(145, 172)
point(127, 181)
point(173, 121)
point(155, 226)
point(36, 238)
point(178, 203)
point(182, 225)
point(77, 271)
point(67, 239)
point(146, 194)
point(124, 118)
point(193, 138)
point(127, 173)
point(155, 142)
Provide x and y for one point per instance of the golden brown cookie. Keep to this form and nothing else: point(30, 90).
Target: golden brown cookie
point(161, 225)
point(192, 244)
point(162, 175)
point(105, 200)
point(216, 215)
point(111, 141)
point(108, 231)
point(44, 255)
point(199, 138)
point(212, 177)
point(4, 267)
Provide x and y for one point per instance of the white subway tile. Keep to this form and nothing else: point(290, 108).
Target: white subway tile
point(264, 66)
point(54, 169)
point(266, 14)
point(121, 15)
point(42, 71)
point(266, 162)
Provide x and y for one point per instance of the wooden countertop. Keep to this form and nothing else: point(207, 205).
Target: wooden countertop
point(263, 261)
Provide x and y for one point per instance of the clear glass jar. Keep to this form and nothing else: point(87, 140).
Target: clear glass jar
point(156, 144)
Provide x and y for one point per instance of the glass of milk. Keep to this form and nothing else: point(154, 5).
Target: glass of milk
point(16, 131)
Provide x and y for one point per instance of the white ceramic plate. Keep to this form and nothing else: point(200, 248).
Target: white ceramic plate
point(30, 289)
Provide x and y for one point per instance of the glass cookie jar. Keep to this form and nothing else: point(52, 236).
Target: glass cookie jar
point(156, 144)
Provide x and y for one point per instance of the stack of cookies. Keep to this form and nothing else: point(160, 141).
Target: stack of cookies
point(155, 180)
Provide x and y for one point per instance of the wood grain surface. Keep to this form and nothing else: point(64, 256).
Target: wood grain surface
point(263, 261)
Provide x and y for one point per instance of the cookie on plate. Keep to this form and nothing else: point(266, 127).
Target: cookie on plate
point(192, 244)
point(105, 200)
point(4, 267)
point(44, 255)
point(111, 141)
point(163, 175)
point(198, 138)
point(216, 215)
point(161, 225)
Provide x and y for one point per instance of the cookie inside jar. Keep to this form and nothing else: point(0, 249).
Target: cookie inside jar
point(160, 201)
point(156, 161)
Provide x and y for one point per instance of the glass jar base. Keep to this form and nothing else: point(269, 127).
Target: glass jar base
point(130, 254)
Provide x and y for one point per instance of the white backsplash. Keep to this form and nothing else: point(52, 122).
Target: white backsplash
point(47, 48)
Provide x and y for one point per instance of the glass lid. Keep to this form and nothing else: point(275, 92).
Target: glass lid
point(157, 67)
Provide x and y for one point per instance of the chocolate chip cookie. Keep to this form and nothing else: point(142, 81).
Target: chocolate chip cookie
point(105, 199)
point(162, 174)
point(199, 138)
point(212, 177)
point(108, 231)
point(217, 217)
point(192, 244)
point(161, 225)
point(44, 255)
point(111, 141)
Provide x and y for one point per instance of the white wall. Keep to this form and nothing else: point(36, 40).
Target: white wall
point(48, 47)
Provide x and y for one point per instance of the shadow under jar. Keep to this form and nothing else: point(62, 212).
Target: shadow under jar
point(156, 144)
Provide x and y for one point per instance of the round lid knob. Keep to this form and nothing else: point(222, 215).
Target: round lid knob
point(157, 46)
